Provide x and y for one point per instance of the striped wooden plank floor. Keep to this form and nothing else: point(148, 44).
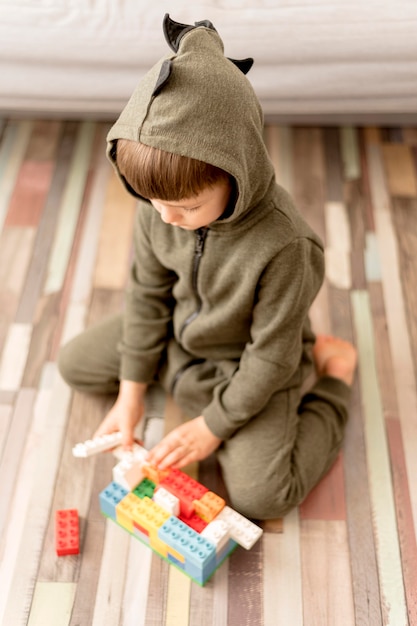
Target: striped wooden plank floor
point(348, 555)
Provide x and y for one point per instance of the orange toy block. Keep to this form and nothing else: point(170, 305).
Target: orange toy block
point(154, 474)
point(208, 506)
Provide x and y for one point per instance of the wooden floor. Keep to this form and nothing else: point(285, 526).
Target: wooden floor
point(348, 555)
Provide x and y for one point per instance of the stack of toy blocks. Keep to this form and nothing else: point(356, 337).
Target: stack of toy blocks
point(180, 519)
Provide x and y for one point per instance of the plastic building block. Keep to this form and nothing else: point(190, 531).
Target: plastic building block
point(209, 505)
point(67, 533)
point(199, 553)
point(194, 521)
point(138, 451)
point(243, 531)
point(218, 533)
point(110, 497)
point(177, 517)
point(145, 488)
point(185, 488)
point(154, 474)
point(128, 472)
point(167, 500)
point(99, 444)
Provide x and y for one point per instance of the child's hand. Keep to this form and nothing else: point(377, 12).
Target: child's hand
point(127, 411)
point(192, 441)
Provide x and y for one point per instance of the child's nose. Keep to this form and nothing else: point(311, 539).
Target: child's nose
point(168, 215)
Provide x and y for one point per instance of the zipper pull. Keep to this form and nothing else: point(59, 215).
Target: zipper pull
point(200, 240)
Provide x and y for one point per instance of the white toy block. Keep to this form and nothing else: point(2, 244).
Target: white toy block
point(167, 500)
point(98, 444)
point(218, 532)
point(244, 532)
point(138, 451)
point(128, 472)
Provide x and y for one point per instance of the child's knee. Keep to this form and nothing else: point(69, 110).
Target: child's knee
point(67, 366)
point(264, 501)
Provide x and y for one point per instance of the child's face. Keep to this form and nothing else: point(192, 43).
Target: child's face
point(195, 212)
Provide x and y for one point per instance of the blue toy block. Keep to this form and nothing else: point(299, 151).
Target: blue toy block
point(110, 498)
point(199, 554)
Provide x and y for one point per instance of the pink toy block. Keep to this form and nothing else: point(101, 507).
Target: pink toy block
point(67, 534)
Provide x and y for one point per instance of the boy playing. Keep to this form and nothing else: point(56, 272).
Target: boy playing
point(225, 270)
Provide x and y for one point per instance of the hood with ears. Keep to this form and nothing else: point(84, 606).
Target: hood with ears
point(198, 103)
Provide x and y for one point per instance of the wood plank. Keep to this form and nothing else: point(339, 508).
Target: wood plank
point(109, 597)
point(372, 261)
point(309, 189)
point(399, 168)
point(87, 252)
point(382, 499)
point(30, 193)
point(44, 140)
point(282, 581)
point(334, 168)
point(310, 177)
point(12, 150)
point(39, 501)
point(327, 500)
point(396, 318)
point(16, 245)
point(404, 217)
point(46, 230)
point(93, 528)
point(365, 183)
point(372, 135)
point(220, 582)
point(338, 245)
point(18, 509)
point(357, 498)
point(245, 586)
point(52, 604)
point(70, 208)
point(178, 598)
point(116, 234)
point(355, 206)
point(14, 356)
point(136, 590)
point(407, 536)
point(327, 585)
point(279, 143)
point(158, 586)
point(350, 153)
point(12, 455)
point(410, 136)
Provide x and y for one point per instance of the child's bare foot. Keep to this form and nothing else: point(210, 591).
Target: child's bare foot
point(334, 357)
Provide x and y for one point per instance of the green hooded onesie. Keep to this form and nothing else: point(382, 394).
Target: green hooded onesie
point(220, 315)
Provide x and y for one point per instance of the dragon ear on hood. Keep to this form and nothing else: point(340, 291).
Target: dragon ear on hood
point(175, 31)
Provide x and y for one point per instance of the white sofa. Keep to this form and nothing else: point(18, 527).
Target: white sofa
point(314, 59)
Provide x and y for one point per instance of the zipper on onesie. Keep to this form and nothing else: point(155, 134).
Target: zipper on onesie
point(201, 234)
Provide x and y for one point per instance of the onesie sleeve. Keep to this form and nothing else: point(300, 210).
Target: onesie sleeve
point(271, 359)
point(148, 306)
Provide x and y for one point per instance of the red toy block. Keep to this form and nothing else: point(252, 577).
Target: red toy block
point(67, 534)
point(194, 521)
point(185, 488)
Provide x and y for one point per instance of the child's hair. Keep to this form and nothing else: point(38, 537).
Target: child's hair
point(155, 173)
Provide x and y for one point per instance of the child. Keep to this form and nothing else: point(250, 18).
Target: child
point(225, 270)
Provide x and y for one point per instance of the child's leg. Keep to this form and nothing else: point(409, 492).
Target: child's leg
point(90, 362)
point(271, 464)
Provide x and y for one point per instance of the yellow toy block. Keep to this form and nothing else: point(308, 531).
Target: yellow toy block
point(125, 511)
point(209, 505)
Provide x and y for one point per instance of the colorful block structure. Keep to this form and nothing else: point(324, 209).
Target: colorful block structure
point(177, 517)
